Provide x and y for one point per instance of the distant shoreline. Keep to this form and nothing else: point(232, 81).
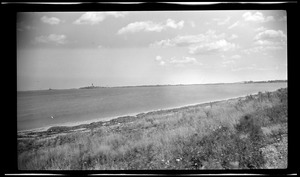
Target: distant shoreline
point(158, 85)
point(87, 123)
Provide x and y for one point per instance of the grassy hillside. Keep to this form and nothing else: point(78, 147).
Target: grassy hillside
point(242, 133)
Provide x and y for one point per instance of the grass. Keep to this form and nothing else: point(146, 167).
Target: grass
point(221, 135)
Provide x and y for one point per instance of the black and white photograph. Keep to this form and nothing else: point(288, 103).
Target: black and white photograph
point(152, 90)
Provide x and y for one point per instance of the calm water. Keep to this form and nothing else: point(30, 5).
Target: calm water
point(34, 108)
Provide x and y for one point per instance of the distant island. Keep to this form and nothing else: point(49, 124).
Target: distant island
point(158, 85)
point(269, 81)
point(91, 87)
point(163, 85)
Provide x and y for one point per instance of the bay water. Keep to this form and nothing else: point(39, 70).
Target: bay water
point(44, 108)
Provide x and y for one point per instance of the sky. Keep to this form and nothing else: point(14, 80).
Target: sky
point(62, 50)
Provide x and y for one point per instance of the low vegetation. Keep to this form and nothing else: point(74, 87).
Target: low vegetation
point(243, 133)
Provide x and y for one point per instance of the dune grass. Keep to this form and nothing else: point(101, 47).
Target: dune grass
point(222, 135)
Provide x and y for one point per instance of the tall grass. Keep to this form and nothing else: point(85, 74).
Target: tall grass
point(224, 136)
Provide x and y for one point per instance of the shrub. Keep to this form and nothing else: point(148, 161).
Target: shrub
point(218, 150)
point(140, 157)
point(250, 124)
point(277, 114)
point(207, 113)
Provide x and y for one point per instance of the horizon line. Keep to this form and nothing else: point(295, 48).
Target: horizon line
point(154, 85)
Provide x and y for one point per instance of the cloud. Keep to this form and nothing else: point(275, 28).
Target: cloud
point(206, 43)
point(26, 27)
point(162, 63)
point(282, 18)
point(172, 24)
point(233, 36)
point(262, 48)
point(228, 63)
point(255, 68)
point(141, 26)
point(184, 60)
point(260, 29)
point(52, 38)
point(234, 25)
point(187, 40)
point(93, 18)
point(22, 26)
point(257, 17)
point(90, 18)
point(230, 59)
point(163, 43)
point(271, 35)
point(252, 17)
point(235, 56)
point(116, 14)
point(255, 49)
point(267, 39)
point(266, 43)
point(160, 60)
point(150, 26)
point(212, 47)
point(219, 21)
point(50, 20)
point(177, 61)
